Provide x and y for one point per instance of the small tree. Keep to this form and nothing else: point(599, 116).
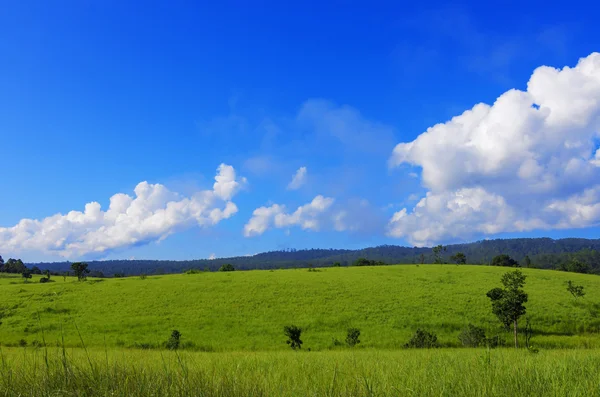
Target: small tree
point(352, 337)
point(437, 253)
point(504, 260)
point(459, 258)
point(26, 274)
point(422, 258)
point(293, 334)
point(472, 336)
point(527, 261)
point(575, 290)
point(423, 340)
point(507, 302)
point(226, 268)
point(336, 264)
point(174, 340)
point(80, 270)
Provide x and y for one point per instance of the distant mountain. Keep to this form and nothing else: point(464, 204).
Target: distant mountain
point(543, 252)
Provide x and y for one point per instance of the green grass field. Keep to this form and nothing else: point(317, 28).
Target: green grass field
point(437, 372)
point(245, 311)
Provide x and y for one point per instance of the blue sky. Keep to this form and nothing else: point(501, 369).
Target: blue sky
point(97, 97)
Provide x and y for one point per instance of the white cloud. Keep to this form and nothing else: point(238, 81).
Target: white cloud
point(523, 163)
point(298, 179)
point(212, 256)
point(152, 215)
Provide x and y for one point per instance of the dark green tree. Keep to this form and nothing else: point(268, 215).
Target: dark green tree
point(575, 290)
point(472, 336)
point(437, 253)
point(575, 266)
point(26, 274)
point(507, 302)
point(527, 261)
point(423, 340)
point(80, 270)
point(504, 260)
point(352, 337)
point(226, 268)
point(293, 334)
point(174, 340)
point(459, 258)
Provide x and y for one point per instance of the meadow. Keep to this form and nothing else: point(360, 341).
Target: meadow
point(246, 311)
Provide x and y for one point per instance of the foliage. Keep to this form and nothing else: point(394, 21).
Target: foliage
point(507, 302)
point(352, 337)
point(293, 334)
point(459, 258)
point(368, 262)
point(504, 260)
point(575, 266)
point(174, 341)
point(336, 264)
point(472, 336)
point(227, 268)
point(26, 274)
point(423, 340)
point(437, 253)
point(80, 270)
point(575, 290)
point(13, 266)
point(527, 261)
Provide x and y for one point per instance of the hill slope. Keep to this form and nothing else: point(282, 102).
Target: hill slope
point(247, 310)
point(544, 253)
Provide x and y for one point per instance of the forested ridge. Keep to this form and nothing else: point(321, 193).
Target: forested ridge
point(544, 253)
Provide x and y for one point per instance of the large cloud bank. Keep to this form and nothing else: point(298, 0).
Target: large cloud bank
point(153, 214)
point(529, 161)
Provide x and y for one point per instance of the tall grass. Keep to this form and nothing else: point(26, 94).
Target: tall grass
point(443, 372)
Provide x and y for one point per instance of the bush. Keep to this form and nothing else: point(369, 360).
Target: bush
point(174, 340)
point(352, 337)
point(505, 261)
point(22, 343)
point(293, 334)
point(143, 276)
point(227, 268)
point(193, 271)
point(472, 336)
point(422, 340)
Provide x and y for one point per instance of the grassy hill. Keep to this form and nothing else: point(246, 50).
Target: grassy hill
point(247, 310)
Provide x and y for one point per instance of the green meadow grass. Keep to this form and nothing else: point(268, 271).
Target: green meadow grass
point(246, 311)
point(436, 372)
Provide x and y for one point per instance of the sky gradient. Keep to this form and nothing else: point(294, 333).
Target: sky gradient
point(176, 130)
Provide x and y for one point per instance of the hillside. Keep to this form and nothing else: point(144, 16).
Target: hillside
point(247, 310)
point(544, 253)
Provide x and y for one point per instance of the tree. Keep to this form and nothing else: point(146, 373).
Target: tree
point(527, 261)
point(575, 290)
point(226, 268)
point(362, 262)
point(80, 270)
point(174, 340)
point(422, 339)
point(507, 302)
point(336, 264)
point(293, 334)
point(575, 266)
point(422, 258)
point(26, 274)
point(352, 337)
point(1, 261)
point(472, 336)
point(504, 260)
point(459, 258)
point(437, 253)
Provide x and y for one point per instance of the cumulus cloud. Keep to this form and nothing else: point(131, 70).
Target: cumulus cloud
point(525, 162)
point(298, 179)
point(322, 213)
point(151, 215)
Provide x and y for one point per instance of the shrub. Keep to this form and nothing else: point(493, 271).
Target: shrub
point(193, 271)
point(336, 264)
point(504, 260)
point(352, 337)
point(22, 343)
point(472, 336)
point(174, 340)
point(423, 340)
point(226, 268)
point(293, 334)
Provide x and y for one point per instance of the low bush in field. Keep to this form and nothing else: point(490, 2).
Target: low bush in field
point(423, 340)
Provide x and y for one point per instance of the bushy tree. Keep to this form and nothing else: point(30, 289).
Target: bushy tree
point(507, 302)
point(437, 253)
point(472, 336)
point(505, 261)
point(80, 270)
point(575, 290)
point(174, 340)
point(293, 334)
point(422, 340)
point(575, 266)
point(459, 258)
point(352, 337)
point(26, 274)
point(527, 261)
point(226, 268)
